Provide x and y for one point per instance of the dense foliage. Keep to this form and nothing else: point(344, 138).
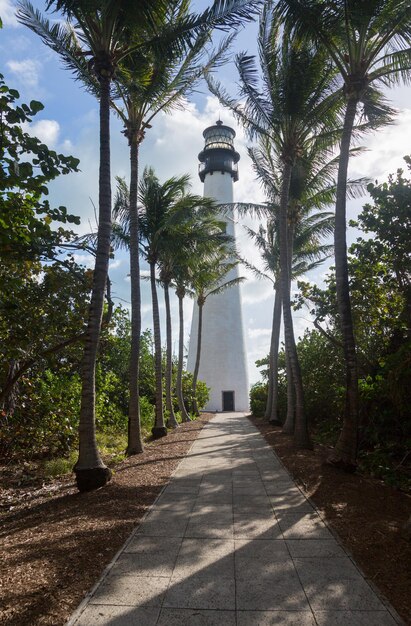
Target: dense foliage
point(380, 275)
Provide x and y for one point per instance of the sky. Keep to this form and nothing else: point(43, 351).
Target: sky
point(69, 124)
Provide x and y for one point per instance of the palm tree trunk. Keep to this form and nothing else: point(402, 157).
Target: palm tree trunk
point(91, 473)
point(289, 423)
point(270, 375)
point(198, 355)
point(272, 402)
point(184, 414)
point(301, 436)
point(135, 441)
point(345, 451)
point(270, 384)
point(172, 422)
point(159, 429)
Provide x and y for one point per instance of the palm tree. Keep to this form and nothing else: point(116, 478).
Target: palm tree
point(188, 229)
point(99, 36)
point(166, 210)
point(264, 240)
point(95, 39)
point(145, 87)
point(180, 279)
point(199, 237)
point(210, 241)
point(296, 105)
point(312, 188)
point(369, 43)
point(206, 280)
point(308, 253)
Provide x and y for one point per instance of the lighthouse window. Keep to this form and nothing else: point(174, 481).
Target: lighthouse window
point(219, 139)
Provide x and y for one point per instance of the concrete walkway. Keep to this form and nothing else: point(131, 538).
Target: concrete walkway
point(232, 541)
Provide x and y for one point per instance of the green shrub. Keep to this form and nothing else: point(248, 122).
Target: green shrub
point(45, 422)
point(110, 413)
point(146, 414)
point(258, 399)
point(202, 395)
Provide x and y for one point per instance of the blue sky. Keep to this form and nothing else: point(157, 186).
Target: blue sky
point(69, 123)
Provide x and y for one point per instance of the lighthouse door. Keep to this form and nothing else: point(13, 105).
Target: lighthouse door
point(228, 400)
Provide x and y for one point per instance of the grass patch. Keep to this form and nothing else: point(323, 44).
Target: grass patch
point(59, 466)
point(112, 446)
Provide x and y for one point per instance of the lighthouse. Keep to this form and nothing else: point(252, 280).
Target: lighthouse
point(223, 363)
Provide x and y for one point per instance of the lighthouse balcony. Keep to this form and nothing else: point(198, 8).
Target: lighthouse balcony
point(218, 165)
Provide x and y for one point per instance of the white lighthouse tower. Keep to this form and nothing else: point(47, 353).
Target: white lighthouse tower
point(223, 363)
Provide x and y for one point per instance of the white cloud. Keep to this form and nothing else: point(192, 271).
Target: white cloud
point(16, 45)
point(8, 13)
point(67, 146)
point(253, 333)
point(256, 291)
point(115, 264)
point(26, 71)
point(47, 131)
point(386, 147)
point(87, 260)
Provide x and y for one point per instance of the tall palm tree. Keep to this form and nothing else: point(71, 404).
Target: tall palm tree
point(146, 86)
point(207, 279)
point(294, 107)
point(199, 237)
point(308, 253)
point(165, 211)
point(312, 189)
point(188, 230)
point(92, 41)
point(181, 293)
point(370, 45)
point(97, 36)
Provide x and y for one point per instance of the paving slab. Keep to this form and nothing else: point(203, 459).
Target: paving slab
point(275, 618)
point(118, 615)
point(199, 591)
point(131, 591)
point(196, 617)
point(232, 541)
point(314, 548)
point(354, 618)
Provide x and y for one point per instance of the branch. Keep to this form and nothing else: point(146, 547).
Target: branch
point(19, 373)
point(330, 338)
point(53, 349)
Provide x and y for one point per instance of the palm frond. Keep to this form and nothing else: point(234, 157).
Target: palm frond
point(225, 286)
point(60, 37)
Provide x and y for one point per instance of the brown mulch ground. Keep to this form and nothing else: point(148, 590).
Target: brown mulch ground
point(367, 515)
point(55, 543)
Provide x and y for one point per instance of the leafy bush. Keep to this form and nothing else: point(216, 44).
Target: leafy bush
point(323, 377)
point(110, 410)
point(45, 421)
point(258, 399)
point(146, 414)
point(202, 394)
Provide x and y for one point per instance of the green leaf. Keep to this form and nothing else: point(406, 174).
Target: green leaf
point(36, 106)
